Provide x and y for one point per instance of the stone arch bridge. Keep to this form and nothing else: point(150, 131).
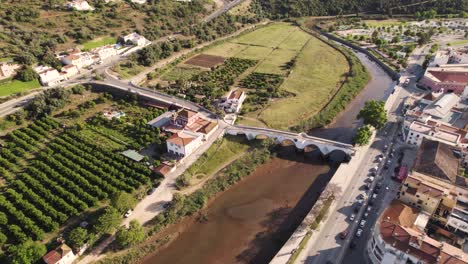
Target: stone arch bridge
point(301, 140)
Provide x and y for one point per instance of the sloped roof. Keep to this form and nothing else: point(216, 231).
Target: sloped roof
point(186, 113)
point(57, 254)
point(450, 76)
point(436, 159)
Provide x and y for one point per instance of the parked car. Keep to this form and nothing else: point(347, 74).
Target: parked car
point(374, 196)
point(362, 223)
point(151, 191)
point(368, 186)
point(366, 214)
point(352, 217)
point(360, 196)
point(369, 208)
point(371, 178)
point(359, 232)
point(128, 213)
point(352, 245)
point(344, 234)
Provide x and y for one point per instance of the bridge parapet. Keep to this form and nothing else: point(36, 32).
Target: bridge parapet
point(301, 141)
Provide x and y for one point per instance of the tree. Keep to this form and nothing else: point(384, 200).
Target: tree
point(77, 237)
point(3, 239)
point(123, 201)
point(3, 218)
point(27, 252)
point(363, 135)
point(374, 113)
point(108, 221)
point(26, 74)
point(131, 236)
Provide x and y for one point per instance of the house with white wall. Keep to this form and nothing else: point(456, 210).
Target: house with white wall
point(80, 5)
point(184, 143)
point(232, 102)
point(48, 75)
point(136, 39)
point(105, 52)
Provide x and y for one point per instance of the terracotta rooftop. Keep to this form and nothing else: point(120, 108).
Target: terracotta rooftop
point(236, 94)
point(56, 255)
point(451, 76)
point(436, 159)
point(187, 113)
point(180, 139)
point(395, 226)
point(208, 127)
point(162, 169)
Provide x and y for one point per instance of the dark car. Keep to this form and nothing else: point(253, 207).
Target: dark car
point(151, 191)
point(344, 234)
point(352, 245)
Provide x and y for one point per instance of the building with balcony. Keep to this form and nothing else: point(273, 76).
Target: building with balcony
point(399, 238)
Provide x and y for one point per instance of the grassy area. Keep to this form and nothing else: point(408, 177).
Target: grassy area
point(459, 42)
point(180, 73)
point(10, 87)
point(273, 45)
point(216, 157)
point(303, 243)
point(226, 49)
point(98, 43)
point(317, 75)
point(271, 36)
point(384, 23)
point(6, 59)
point(126, 72)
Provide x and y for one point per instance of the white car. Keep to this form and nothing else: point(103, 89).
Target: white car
point(128, 213)
point(362, 223)
point(369, 208)
point(359, 232)
point(371, 178)
point(366, 214)
point(351, 217)
point(374, 196)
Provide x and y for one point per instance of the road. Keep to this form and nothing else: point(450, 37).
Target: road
point(328, 246)
point(222, 10)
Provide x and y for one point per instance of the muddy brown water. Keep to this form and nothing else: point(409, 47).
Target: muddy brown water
point(252, 220)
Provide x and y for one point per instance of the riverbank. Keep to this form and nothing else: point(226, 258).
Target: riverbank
point(249, 222)
point(187, 205)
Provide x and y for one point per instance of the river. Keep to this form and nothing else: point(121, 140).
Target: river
point(250, 222)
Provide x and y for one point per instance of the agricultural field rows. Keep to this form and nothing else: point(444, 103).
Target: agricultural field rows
point(54, 173)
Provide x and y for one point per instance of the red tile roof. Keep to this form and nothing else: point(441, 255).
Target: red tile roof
point(180, 141)
point(451, 76)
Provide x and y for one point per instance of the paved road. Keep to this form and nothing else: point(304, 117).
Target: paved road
point(222, 10)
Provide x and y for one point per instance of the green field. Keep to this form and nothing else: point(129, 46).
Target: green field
point(98, 43)
point(459, 42)
point(383, 23)
point(317, 74)
point(180, 73)
point(216, 157)
point(273, 46)
point(14, 86)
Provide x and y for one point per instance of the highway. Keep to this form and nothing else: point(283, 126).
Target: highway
point(222, 10)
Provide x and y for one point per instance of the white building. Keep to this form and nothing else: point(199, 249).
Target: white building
point(7, 70)
point(399, 238)
point(61, 255)
point(105, 52)
point(232, 103)
point(184, 143)
point(80, 59)
point(69, 71)
point(136, 39)
point(48, 75)
point(80, 5)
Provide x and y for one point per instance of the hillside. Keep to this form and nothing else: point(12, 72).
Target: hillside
point(297, 8)
point(32, 28)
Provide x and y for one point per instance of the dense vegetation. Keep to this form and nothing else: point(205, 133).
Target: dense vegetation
point(55, 167)
point(299, 8)
point(262, 87)
point(211, 84)
point(32, 31)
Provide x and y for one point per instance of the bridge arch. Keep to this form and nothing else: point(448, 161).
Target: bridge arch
point(285, 142)
point(337, 156)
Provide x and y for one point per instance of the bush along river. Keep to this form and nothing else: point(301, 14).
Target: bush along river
point(249, 222)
